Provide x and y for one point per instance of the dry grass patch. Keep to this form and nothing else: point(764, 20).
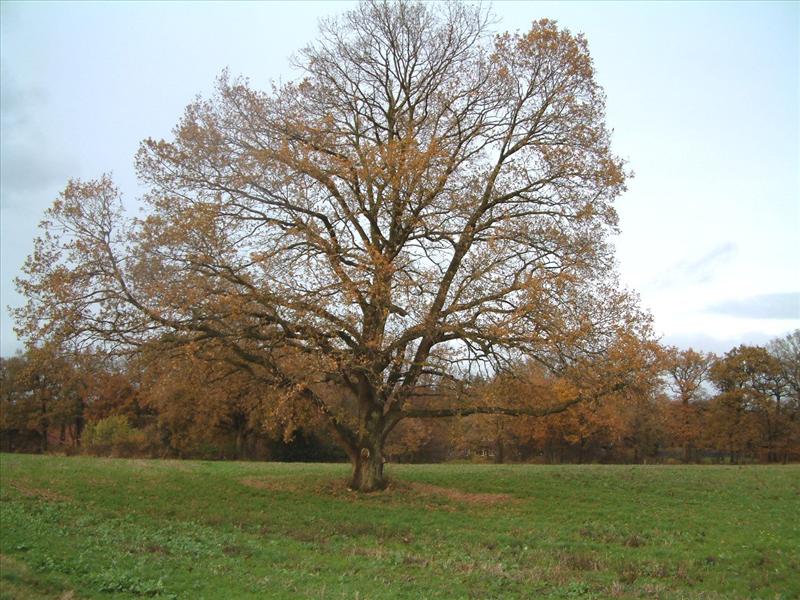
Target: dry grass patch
point(270, 485)
point(40, 493)
point(400, 491)
point(456, 495)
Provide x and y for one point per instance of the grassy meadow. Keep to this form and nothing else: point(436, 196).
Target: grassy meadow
point(75, 527)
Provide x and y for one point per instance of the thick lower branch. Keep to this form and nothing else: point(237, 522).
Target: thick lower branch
point(339, 429)
point(423, 413)
point(489, 410)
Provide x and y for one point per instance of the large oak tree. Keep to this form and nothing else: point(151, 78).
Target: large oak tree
point(427, 200)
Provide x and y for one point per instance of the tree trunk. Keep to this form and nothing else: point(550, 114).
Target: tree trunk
point(687, 454)
point(76, 441)
point(45, 427)
point(239, 444)
point(499, 452)
point(368, 467)
point(366, 454)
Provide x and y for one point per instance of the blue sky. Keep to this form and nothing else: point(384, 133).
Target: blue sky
point(703, 98)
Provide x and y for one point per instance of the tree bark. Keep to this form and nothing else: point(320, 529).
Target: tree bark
point(79, 423)
point(368, 467)
point(499, 455)
point(239, 444)
point(45, 424)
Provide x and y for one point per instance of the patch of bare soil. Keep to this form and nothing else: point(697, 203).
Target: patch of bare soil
point(41, 493)
point(173, 463)
point(394, 491)
point(457, 495)
point(410, 490)
point(271, 485)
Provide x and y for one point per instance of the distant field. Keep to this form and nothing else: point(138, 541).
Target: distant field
point(98, 528)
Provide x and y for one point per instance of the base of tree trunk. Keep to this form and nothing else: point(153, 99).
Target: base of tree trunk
point(368, 472)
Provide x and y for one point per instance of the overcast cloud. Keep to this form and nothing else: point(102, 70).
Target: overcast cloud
point(766, 306)
point(28, 162)
point(694, 271)
point(703, 99)
point(718, 346)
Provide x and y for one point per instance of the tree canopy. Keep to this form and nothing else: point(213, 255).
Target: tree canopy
point(427, 202)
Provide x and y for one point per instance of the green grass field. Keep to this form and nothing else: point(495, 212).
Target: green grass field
point(102, 528)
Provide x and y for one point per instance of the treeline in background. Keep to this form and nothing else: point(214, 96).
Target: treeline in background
point(743, 406)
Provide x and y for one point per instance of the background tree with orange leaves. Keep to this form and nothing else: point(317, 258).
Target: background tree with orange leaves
point(686, 374)
point(756, 410)
point(428, 200)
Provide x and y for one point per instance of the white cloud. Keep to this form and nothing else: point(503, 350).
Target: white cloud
point(765, 306)
point(694, 271)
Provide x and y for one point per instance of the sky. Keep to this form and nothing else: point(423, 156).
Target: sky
point(703, 100)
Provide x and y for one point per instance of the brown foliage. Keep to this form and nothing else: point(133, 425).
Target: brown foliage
point(427, 200)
